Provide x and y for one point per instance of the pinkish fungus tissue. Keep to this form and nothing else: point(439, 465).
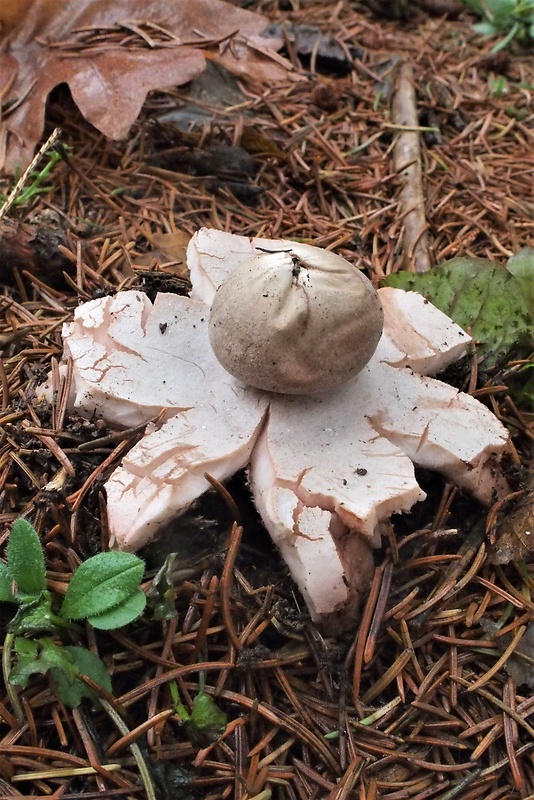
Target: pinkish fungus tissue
point(326, 468)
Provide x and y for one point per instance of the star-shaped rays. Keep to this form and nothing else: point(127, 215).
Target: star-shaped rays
point(325, 470)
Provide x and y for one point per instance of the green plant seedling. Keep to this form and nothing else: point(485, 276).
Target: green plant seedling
point(160, 595)
point(206, 723)
point(513, 17)
point(499, 86)
point(104, 591)
point(37, 179)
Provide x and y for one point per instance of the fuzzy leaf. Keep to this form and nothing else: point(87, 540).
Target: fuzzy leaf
point(6, 582)
point(71, 689)
point(25, 558)
point(480, 295)
point(120, 615)
point(501, 11)
point(485, 28)
point(102, 583)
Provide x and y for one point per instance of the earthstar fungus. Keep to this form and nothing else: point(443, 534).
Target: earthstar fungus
point(326, 469)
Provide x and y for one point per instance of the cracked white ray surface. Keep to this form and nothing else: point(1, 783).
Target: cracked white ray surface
point(132, 359)
point(325, 470)
point(164, 473)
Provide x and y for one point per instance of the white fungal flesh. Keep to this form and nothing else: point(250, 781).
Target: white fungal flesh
point(417, 335)
point(325, 470)
point(164, 473)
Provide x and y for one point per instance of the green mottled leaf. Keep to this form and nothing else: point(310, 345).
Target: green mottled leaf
point(6, 583)
point(120, 615)
point(71, 689)
point(25, 558)
point(521, 266)
point(102, 583)
point(480, 295)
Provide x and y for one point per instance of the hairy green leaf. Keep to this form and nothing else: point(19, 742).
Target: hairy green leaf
point(501, 11)
point(25, 558)
point(102, 583)
point(71, 689)
point(480, 295)
point(6, 583)
point(120, 615)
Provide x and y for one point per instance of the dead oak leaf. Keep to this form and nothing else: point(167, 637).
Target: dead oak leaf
point(111, 55)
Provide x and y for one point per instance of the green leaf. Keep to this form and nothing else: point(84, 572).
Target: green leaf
point(38, 657)
point(480, 295)
point(521, 266)
point(6, 583)
point(102, 583)
point(71, 689)
point(485, 28)
point(120, 615)
point(207, 722)
point(501, 11)
point(25, 558)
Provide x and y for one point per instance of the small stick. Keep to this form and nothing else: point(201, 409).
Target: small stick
point(12, 196)
point(407, 161)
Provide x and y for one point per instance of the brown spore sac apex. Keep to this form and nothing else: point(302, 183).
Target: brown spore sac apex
point(295, 321)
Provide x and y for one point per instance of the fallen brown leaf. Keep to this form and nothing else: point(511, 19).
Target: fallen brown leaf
point(167, 247)
point(515, 534)
point(111, 55)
